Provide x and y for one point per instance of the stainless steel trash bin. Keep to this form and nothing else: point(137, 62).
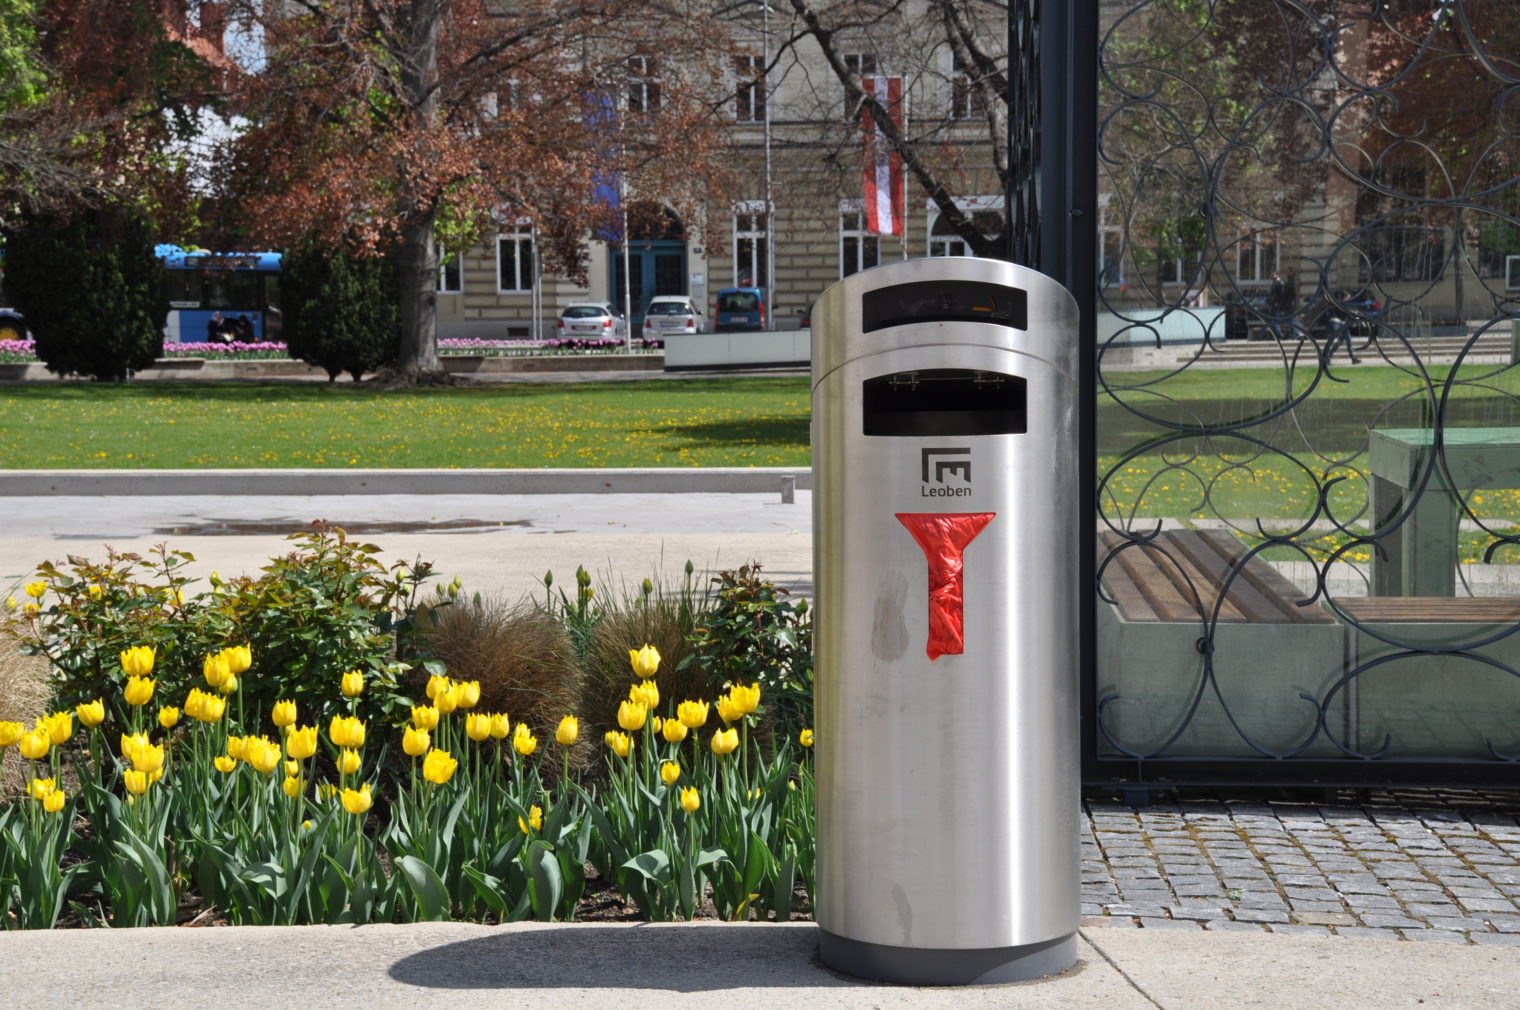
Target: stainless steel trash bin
point(945, 556)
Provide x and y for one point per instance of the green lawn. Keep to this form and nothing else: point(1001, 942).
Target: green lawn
point(700, 422)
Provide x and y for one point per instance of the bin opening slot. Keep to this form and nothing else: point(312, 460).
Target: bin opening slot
point(944, 401)
point(944, 301)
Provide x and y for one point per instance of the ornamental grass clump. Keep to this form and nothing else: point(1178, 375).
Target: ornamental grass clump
point(24, 694)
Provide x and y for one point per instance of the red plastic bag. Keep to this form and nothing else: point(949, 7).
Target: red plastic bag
point(943, 537)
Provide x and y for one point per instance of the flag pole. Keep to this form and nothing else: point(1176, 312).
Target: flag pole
point(627, 298)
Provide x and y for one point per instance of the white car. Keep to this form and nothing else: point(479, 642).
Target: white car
point(592, 320)
point(672, 314)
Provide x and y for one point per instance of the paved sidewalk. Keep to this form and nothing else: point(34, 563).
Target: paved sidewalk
point(1426, 866)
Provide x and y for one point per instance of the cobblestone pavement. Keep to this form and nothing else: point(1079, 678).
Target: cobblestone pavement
point(1434, 866)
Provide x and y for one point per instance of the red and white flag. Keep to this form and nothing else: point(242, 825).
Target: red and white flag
point(884, 167)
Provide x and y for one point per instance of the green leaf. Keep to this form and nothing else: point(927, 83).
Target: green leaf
point(653, 865)
point(427, 887)
point(487, 888)
point(548, 885)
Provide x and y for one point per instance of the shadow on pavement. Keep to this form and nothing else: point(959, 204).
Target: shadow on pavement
point(647, 956)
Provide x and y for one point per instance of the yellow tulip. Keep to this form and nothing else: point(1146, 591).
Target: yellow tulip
point(60, 726)
point(36, 589)
point(301, 743)
point(646, 693)
point(130, 742)
point(523, 740)
point(293, 786)
point(229, 685)
point(263, 754)
point(621, 743)
point(805, 738)
point(416, 741)
point(477, 726)
point(239, 658)
point(535, 820)
point(673, 730)
point(437, 685)
point(168, 717)
point(148, 758)
point(38, 788)
point(11, 733)
point(645, 661)
point(283, 714)
point(216, 670)
point(213, 708)
point(346, 731)
point(467, 694)
point(690, 801)
point(91, 713)
point(669, 772)
point(357, 801)
point(225, 763)
point(693, 714)
point(292, 767)
point(53, 801)
point(727, 710)
point(568, 730)
point(137, 661)
point(237, 747)
point(438, 767)
point(139, 691)
point(352, 684)
point(348, 762)
point(326, 790)
point(425, 717)
point(136, 782)
point(725, 741)
point(446, 701)
point(631, 716)
point(501, 726)
point(35, 745)
point(745, 699)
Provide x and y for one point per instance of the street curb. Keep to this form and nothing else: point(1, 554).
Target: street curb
point(170, 483)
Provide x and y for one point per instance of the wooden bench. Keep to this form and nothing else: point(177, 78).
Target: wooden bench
point(1436, 705)
point(1267, 650)
point(1179, 579)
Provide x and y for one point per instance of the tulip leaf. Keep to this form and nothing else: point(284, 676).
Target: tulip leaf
point(710, 857)
point(427, 887)
point(653, 865)
point(487, 888)
point(786, 882)
point(548, 885)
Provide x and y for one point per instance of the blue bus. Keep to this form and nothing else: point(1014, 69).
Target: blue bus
point(221, 297)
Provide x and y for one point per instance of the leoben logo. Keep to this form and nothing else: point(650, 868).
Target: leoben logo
point(945, 462)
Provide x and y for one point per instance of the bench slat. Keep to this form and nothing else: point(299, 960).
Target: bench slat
point(1268, 581)
point(1177, 590)
point(1244, 598)
point(1128, 598)
point(1432, 609)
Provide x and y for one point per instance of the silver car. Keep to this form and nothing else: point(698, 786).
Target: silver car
point(672, 314)
point(592, 320)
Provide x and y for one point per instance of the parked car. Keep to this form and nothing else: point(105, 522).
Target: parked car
point(739, 309)
point(672, 314)
point(1246, 317)
point(592, 320)
point(12, 326)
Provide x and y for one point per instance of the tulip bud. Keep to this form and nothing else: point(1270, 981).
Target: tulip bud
point(283, 714)
point(168, 717)
point(139, 691)
point(416, 741)
point(631, 716)
point(477, 726)
point(569, 729)
point(669, 772)
point(725, 741)
point(691, 802)
point(805, 738)
point(673, 730)
point(352, 684)
point(357, 801)
point(523, 740)
point(91, 713)
point(348, 761)
point(501, 726)
point(645, 661)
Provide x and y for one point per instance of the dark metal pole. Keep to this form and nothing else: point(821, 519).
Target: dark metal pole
point(1053, 199)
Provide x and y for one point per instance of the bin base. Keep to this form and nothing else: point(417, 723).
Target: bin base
point(927, 966)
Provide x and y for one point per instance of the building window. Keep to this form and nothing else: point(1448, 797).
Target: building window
point(860, 65)
point(749, 89)
point(751, 244)
point(514, 260)
point(967, 100)
point(1256, 257)
point(857, 249)
point(643, 85)
point(943, 239)
point(450, 273)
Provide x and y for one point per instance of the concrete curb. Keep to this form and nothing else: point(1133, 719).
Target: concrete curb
point(176, 483)
point(277, 368)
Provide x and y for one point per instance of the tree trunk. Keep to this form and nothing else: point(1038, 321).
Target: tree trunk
point(417, 269)
point(417, 264)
